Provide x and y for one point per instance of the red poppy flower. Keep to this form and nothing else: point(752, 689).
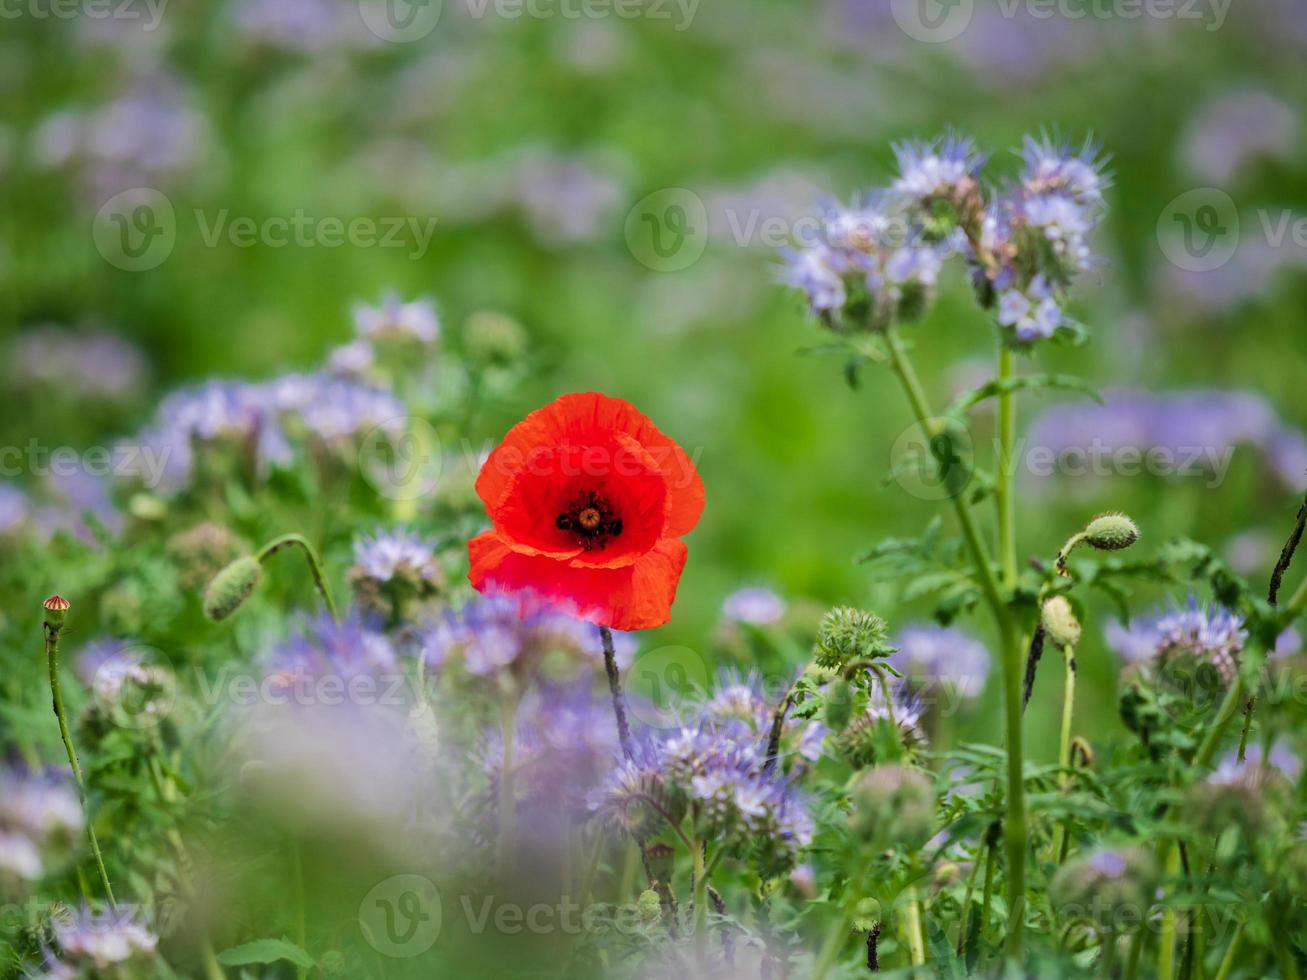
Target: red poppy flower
point(588, 501)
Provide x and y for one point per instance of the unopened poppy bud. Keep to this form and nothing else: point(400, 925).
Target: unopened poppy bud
point(839, 705)
point(230, 587)
point(649, 906)
point(55, 608)
point(848, 634)
point(1060, 623)
point(1111, 532)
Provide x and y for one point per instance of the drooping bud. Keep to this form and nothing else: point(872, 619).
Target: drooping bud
point(893, 806)
point(848, 634)
point(55, 609)
point(839, 705)
point(231, 587)
point(1060, 623)
point(1111, 532)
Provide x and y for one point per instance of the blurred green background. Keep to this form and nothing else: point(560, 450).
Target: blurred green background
point(529, 139)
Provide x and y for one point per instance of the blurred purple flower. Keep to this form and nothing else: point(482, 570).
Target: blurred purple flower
point(758, 606)
point(394, 319)
point(929, 655)
point(1235, 130)
point(83, 364)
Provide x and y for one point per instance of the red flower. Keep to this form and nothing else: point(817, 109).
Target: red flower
point(588, 501)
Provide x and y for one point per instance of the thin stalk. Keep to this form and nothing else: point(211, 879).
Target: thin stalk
point(987, 897)
point(1004, 495)
point(52, 631)
point(965, 923)
point(1107, 957)
point(507, 790)
point(1231, 954)
point(916, 936)
point(700, 901)
point(301, 930)
point(1015, 825)
point(311, 556)
point(1247, 727)
point(1166, 937)
point(835, 939)
point(1064, 743)
point(615, 689)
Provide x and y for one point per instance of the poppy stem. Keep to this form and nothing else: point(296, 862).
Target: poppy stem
point(310, 556)
point(615, 688)
point(53, 626)
point(507, 789)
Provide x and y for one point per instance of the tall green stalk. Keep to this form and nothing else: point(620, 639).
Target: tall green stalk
point(995, 595)
point(55, 609)
point(314, 562)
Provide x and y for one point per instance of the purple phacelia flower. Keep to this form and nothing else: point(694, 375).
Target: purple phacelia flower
point(394, 554)
point(929, 655)
point(1206, 634)
point(394, 319)
point(1060, 170)
point(321, 648)
point(936, 169)
point(756, 606)
point(15, 509)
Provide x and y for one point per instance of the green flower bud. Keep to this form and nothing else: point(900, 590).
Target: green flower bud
point(839, 705)
point(847, 634)
point(1111, 532)
point(1098, 885)
point(232, 586)
point(1060, 623)
point(493, 338)
point(893, 806)
point(55, 609)
point(649, 906)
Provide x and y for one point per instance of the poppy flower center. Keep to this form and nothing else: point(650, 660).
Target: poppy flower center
point(591, 518)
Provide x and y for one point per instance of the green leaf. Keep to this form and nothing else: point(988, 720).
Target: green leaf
point(997, 386)
point(263, 951)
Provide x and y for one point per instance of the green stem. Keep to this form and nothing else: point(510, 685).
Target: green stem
point(301, 931)
point(1166, 938)
point(835, 940)
point(1247, 727)
point(1004, 494)
point(700, 902)
point(1015, 824)
point(987, 897)
point(1231, 954)
point(56, 692)
point(965, 922)
point(311, 556)
point(916, 937)
point(1064, 744)
point(507, 791)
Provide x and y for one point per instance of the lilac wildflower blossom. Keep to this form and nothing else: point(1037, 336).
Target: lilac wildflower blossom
point(1202, 634)
point(929, 655)
point(321, 648)
point(103, 943)
point(394, 319)
point(14, 509)
point(877, 262)
point(757, 606)
point(85, 364)
point(387, 555)
point(714, 774)
point(510, 636)
point(40, 820)
point(1281, 759)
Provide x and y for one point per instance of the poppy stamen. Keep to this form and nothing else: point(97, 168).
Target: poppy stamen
point(590, 517)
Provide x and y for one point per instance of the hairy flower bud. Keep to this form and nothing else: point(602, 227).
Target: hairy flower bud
point(1111, 532)
point(1060, 623)
point(1098, 885)
point(202, 551)
point(893, 806)
point(847, 634)
point(493, 338)
point(231, 587)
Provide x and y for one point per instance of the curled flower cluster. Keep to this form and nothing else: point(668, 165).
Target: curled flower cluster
point(858, 744)
point(1193, 633)
point(715, 775)
point(877, 262)
point(40, 818)
point(745, 700)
